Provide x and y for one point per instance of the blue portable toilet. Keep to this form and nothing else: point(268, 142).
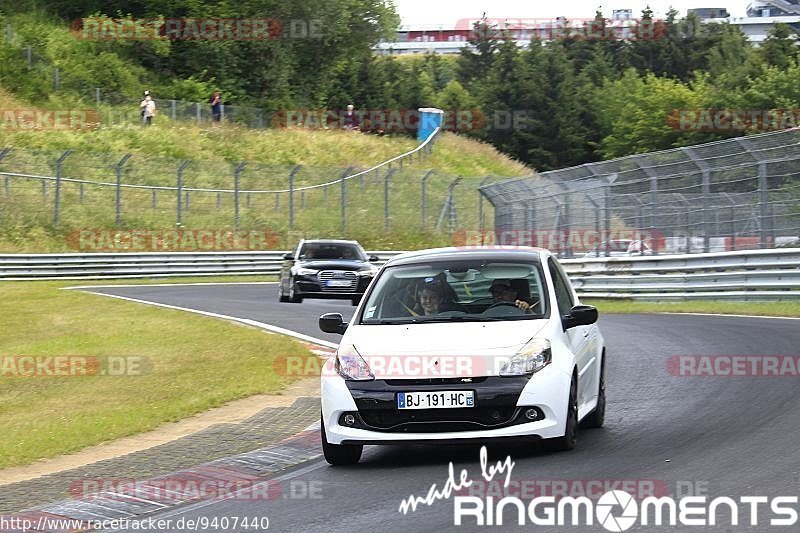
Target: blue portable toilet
point(430, 118)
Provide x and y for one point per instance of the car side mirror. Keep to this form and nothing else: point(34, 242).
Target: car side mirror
point(288, 257)
point(373, 258)
point(580, 315)
point(332, 323)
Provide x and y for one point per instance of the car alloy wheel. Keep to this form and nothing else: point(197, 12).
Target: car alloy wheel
point(570, 437)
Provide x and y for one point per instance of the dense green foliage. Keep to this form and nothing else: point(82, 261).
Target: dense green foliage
point(573, 99)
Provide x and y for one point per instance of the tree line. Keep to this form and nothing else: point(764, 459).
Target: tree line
point(573, 99)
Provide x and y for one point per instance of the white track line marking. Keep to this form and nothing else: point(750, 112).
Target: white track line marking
point(735, 316)
point(172, 284)
point(249, 322)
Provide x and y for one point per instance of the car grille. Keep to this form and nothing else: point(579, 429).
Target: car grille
point(326, 275)
point(437, 420)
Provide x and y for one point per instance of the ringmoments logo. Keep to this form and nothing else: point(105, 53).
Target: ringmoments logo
point(615, 510)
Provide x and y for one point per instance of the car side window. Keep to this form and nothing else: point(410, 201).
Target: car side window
point(562, 290)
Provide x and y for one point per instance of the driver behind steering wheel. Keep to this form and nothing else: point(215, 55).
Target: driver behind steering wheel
point(503, 291)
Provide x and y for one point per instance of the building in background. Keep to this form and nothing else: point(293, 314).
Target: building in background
point(762, 15)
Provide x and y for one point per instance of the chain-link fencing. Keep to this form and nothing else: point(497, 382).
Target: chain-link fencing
point(737, 194)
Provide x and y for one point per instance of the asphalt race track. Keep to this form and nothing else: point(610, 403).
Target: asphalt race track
point(721, 436)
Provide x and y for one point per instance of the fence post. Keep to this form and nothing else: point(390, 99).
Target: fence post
point(386, 198)
point(197, 112)
point(59, 166)
point(154, 200)
point(9, 33)
point(4, 152)
point(29, 56)
point(449, 206)
point(173, 110)
point(762, 204)
point(187, 200)
point(118, 203)
point(294, 171)
point(706, 208)
point(277, 200)
point(344, 203)
point(180, 189)
point(425, 198)
point(237, 173)
point(97, 96)
point(607, 218)
point(481, 220)
point(56, 79)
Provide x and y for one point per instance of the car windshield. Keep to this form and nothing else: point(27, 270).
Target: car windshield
point(318, 250)
point(457, 291)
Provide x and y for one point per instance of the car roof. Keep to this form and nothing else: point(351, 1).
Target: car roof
point(328, 241)
point(498, 253)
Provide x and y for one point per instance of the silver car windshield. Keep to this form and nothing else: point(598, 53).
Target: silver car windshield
point(457, 291)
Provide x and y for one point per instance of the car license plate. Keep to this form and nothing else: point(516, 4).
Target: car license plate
point(436, 399)
point(338, 283)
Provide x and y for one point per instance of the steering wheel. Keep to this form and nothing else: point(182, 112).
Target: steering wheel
point(498, 304)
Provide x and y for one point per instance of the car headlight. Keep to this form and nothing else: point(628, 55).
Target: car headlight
point(350, 364)
point(306, 272)
point(366, 273)
point(531, 358)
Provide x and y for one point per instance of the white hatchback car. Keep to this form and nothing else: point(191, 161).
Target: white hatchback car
point(450, 345)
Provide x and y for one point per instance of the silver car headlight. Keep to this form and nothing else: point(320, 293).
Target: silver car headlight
point(306, 272)
point(350, 364)
point(367, 273)
point(531, 358)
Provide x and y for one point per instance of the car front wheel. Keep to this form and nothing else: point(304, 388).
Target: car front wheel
point(340, 454)
point(570, 437)
point(293, 296)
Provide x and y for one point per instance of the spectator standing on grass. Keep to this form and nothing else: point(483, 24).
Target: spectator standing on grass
point(216, 106)
point(148, 109)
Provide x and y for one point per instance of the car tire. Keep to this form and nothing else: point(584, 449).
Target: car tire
point(597, 417)
point(281, 297)
point(569, 439)
point(339, 454)
point(293, 296)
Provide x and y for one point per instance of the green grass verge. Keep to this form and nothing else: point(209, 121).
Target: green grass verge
point(784, 308)
point(27, 221)
point(196, 363)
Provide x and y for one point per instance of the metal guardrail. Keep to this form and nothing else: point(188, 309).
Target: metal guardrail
point(27, 267)
point(747, 275)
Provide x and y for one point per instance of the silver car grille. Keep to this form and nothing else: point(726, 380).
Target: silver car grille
point(338, 275)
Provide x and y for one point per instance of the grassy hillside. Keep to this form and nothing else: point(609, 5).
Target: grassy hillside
point(27, 205)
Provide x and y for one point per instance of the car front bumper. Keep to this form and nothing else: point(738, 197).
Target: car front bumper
point(499, 411)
